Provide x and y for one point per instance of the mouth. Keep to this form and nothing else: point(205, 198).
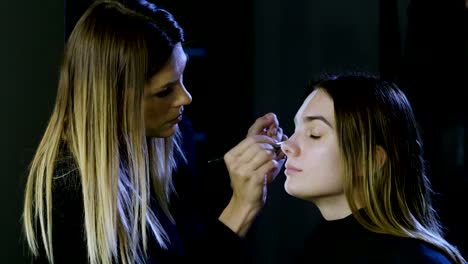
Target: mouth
point(291, 170)
point(177, 119)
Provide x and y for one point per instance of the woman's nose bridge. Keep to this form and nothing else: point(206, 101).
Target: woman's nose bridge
point(183, 96)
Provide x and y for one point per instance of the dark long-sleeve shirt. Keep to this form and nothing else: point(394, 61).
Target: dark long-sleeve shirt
point(194, 236)
point(346, 241)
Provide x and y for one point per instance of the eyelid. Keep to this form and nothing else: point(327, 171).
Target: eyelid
point(313, 133)
point(165, 91)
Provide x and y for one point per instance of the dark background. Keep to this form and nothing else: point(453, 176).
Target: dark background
point(249, 58)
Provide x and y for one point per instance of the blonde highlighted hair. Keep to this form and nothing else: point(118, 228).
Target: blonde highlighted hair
point(110, 55)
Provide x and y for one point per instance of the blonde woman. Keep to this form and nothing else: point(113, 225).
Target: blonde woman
point(99, 187)
point(357, 155)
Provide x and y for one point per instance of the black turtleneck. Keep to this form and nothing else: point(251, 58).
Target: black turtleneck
point(346, 241)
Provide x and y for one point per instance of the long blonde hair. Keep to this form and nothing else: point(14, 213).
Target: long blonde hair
point(110, 55)
point(395, 194)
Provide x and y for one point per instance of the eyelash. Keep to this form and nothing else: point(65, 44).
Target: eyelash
point(164, 92)
point(314, 137)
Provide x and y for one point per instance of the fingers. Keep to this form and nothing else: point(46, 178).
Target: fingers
point(275, 132)
point(259, 162)
point(267, 171)
point(284, 137)
point(280, 153)
point(250, 143)
point(255, 162)
point(252, 163)
point(271, 175)
point(263, 124)
point(253, 155)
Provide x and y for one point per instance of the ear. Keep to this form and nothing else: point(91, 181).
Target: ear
point(381, 156)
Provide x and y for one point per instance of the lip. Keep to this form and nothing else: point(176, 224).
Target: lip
point(291, 170)
point(177, 119)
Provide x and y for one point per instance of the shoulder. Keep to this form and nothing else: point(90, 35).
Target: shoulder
point(66, 173)
point(68, 233)
point(430, 254)
point(66, 184)
point(416, 251)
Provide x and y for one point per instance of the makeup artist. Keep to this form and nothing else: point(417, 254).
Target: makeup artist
point(100, 186)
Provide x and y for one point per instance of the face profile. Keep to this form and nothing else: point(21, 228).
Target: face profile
point(165, 96)
point(313, 167)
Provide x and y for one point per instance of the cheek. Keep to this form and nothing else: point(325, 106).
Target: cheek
point(324, 165)
point(152, 112)
point(321, 176)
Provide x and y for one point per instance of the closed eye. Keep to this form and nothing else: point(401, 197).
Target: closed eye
point(165, 92)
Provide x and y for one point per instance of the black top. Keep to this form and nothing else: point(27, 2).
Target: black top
point(195, 236)
point(346, 241)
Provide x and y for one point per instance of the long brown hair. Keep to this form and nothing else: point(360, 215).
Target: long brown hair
point(396, 196)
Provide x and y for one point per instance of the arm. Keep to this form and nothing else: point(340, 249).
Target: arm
point(205, 237)
point(252, 165)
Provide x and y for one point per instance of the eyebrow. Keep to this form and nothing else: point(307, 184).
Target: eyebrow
point(171, 83)
point(308, 119)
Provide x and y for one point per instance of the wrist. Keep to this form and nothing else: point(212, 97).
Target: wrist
point(238, 217)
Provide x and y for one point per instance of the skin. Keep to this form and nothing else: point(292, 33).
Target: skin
point(165, 96)
point(313, 167)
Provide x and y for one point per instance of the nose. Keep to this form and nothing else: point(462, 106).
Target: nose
point(285, 147)
point(288, 147)
point(183, 96)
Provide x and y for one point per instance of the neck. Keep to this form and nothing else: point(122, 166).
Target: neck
point(333, 208)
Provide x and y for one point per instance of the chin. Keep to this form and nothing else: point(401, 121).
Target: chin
point(288, 188)
point(163, 133)
point(296, 191)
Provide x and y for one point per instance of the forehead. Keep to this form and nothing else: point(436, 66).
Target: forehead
point(318, 103)
point(172, 70)
point(177, 61)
